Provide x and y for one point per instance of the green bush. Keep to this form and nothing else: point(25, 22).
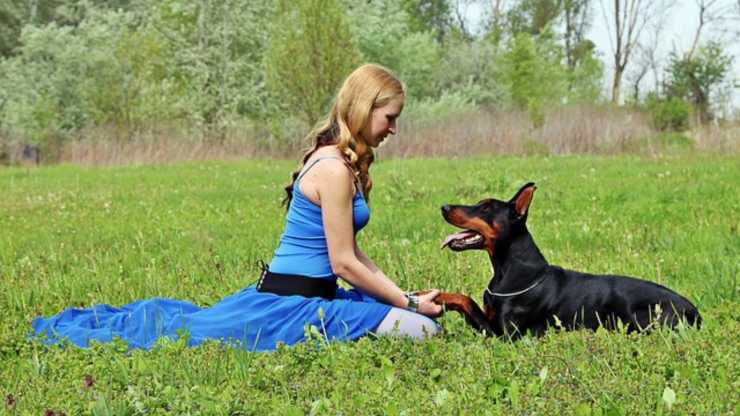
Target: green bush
point(472, 65)
point(668, 114)
point(450, 103)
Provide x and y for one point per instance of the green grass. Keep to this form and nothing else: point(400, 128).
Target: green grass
point(74, 237)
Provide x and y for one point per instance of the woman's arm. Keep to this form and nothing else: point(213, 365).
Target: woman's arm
point(427, 304)
point(335, 191)
point(365, 260)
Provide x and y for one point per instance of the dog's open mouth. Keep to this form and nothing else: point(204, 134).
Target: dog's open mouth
point(464, 240)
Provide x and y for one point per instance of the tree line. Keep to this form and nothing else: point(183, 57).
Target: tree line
point(211, 65)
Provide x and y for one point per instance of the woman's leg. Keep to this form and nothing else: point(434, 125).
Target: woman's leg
point(406, 323)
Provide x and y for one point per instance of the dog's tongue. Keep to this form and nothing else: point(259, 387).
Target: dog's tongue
point(457, 236)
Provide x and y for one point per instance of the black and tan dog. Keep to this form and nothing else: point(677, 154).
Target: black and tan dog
point(526, 294)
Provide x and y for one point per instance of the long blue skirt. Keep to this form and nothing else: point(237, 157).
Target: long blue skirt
point(253, 320)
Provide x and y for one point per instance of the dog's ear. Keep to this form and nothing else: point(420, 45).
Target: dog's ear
point(523, 198)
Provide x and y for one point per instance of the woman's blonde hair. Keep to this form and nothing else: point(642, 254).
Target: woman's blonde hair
point(368, 87)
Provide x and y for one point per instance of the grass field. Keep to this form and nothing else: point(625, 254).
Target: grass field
point(74, 237)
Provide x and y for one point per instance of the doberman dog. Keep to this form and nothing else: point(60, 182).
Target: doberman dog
point(526, 294)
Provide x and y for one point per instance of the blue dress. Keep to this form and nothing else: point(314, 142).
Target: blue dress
point(253, 320)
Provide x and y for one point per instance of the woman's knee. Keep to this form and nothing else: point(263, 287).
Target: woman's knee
point(406, 323)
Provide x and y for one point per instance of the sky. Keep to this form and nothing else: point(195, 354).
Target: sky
point(679, 26)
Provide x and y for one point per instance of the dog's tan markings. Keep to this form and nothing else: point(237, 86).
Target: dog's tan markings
point(459, 303)
point(456, 302)
point(475, 224)
point(489, 312)
point(491, 241)
point(452, 301)
point(488, 231)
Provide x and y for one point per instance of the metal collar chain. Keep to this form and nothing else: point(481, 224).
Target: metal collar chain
point(505, 295)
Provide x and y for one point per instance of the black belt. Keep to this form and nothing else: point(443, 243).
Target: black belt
point(292, 284)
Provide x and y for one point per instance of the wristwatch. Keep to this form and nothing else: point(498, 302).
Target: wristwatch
point(413, 304)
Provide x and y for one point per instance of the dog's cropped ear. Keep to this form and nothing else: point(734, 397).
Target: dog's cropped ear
point(523, 198)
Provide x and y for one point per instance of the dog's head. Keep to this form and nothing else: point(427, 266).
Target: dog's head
point(487, 222)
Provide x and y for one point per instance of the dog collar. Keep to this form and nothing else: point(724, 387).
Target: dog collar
point(505, 295)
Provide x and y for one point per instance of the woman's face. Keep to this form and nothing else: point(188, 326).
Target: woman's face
point(382, 122)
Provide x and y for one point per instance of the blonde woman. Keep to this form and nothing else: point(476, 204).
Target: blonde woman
point(327, 207)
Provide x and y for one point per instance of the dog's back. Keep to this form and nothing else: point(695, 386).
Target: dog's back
point(588, 300)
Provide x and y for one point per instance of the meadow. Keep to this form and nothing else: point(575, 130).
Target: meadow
point(74, 236)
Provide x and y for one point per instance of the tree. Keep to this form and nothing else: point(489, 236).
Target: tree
point(647, 59)
point(585, 73)
point(626, 21)
point(14, 15)
point(710, 12)
point(216, 51)
point(11, 18)
point(428, 16)
point(125, 71)
point(701, 70)
point(40, 84)
point(459, 21)
point(382, 31)
point(533, 73)
point(585, 69)
point(533, 16)
point(695, 78)
point(469, 68)
point(495, 30)
point(311, 51)
point(576, 18)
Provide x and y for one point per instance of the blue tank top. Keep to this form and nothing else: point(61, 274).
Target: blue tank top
point(303, 249)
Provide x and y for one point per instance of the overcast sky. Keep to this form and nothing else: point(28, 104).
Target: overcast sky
point(680, 23)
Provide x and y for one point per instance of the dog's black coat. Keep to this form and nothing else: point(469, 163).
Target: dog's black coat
point(552, 296)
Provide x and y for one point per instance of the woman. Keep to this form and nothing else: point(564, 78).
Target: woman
point(327, 206)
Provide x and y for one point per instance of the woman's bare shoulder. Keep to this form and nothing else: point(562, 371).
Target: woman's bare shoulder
point(332, 172)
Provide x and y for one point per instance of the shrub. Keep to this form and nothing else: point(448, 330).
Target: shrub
point(668, 114)
point(449, 104)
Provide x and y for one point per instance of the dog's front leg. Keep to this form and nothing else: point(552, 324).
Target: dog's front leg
point(467, 308)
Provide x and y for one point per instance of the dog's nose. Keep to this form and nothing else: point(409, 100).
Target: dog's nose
point(445, 209)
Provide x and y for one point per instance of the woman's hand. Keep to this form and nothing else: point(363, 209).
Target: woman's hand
point(427, 306)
